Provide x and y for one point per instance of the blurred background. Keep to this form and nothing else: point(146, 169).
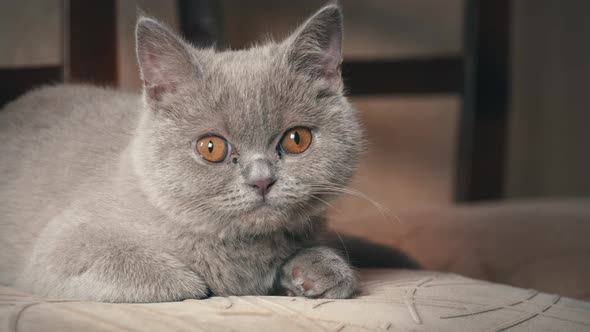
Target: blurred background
point(462, 100)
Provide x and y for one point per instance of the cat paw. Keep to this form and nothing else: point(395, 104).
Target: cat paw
point(318, 273)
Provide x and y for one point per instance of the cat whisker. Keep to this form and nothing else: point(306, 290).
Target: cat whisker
point(326, 203)
point(343, 245)
point(385, 212)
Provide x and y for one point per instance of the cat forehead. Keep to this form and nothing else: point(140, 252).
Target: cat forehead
point(256, 85)
point(248, 74)
point(246, 61)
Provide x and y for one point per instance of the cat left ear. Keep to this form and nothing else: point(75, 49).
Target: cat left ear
point(316, 47)
point(164, 59)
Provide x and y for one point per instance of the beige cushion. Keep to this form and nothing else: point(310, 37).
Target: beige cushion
point(540, 244)
point(389, 300)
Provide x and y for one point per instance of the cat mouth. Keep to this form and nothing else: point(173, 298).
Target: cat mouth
point(265, 207)
point(268, 206)
point(262, 205)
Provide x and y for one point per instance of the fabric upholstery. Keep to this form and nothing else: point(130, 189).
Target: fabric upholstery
point(540, 244)
point(390, 300)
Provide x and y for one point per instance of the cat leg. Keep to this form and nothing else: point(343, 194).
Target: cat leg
point(107, 264)
point(318, 272)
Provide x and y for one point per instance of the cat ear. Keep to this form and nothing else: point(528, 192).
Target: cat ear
point(164, 59)
point(316, 47)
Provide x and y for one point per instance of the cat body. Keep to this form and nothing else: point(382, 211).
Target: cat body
point(73, 181)
point(106, 196)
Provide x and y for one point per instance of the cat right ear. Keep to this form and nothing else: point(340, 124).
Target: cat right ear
point(316, 47)
point(164, 59)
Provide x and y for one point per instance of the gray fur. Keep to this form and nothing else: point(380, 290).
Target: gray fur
point(104, 198)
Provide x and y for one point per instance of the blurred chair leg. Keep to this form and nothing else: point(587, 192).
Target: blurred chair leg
point(481, 158)
point(90, 42)
point(200, 21)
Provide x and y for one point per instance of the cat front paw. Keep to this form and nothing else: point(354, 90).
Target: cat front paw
point(318, 273)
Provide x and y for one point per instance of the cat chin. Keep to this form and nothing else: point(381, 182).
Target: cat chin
point(263, 214)
point(266, 218)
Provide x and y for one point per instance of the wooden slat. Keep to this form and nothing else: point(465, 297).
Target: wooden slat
point(440, 75)
point(90, 42)
point(16, 81)
point(200, 21)
point(484, 118)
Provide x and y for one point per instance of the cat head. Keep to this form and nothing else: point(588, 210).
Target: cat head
point(250, 141)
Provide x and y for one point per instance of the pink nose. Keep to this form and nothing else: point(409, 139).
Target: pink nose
point(262, 185)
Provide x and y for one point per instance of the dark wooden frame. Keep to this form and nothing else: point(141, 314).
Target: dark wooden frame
point(89, 51)
point(16, 81)
point(481, 159)
point(90, 42)
point(441, 75)
point(482, 77)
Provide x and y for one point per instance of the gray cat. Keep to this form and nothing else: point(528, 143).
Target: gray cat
point(210, 183)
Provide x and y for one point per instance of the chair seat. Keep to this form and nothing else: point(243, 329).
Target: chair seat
point(388, 300)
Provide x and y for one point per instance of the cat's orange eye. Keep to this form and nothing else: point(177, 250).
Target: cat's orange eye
point(212, 148)
point(296, 140)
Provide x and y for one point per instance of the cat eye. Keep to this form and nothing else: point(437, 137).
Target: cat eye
point(296, 140)
point(212, 148)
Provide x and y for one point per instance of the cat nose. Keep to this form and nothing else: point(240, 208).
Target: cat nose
point(263, 185)
point(260, 175)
